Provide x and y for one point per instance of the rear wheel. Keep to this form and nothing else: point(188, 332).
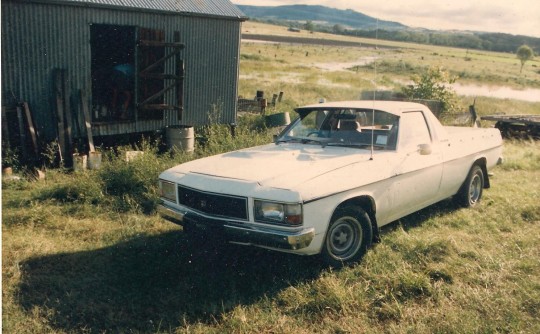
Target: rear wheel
point(348, 237)
point(470, 192)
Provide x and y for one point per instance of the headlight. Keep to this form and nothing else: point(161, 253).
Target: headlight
point(167, 190)
point(278, 213)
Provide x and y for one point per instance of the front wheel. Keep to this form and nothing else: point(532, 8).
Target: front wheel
point(470, 192)
point(348, 237)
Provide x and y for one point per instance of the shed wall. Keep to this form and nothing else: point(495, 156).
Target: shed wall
point(39, 38)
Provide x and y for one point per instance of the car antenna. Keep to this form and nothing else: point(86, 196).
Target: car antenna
point(374, 94)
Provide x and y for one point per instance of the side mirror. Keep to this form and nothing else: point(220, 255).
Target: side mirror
point(424, 149)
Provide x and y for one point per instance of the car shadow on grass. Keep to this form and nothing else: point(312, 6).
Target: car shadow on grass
point(153, 283)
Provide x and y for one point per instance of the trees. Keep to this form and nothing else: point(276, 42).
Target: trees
point(524, 53)
point(309, 26)
point(338, 29)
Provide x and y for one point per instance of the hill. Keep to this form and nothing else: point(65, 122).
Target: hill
point(319, 14)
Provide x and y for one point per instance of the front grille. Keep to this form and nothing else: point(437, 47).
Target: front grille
point(226, 206)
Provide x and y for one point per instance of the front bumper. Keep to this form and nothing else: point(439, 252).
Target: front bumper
point(235, 232)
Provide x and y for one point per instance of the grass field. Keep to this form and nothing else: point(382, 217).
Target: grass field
point(84, 252)
point(302, 71)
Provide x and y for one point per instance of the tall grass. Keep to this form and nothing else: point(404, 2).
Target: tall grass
point(76, 260)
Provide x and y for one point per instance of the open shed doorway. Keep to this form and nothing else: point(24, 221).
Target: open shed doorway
point(113, 72)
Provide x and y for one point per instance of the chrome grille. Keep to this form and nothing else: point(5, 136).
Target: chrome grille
point(226, 206)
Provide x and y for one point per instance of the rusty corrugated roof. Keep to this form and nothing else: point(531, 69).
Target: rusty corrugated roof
point(222, 8)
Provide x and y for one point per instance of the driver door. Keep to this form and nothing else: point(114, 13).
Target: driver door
point(418, 169)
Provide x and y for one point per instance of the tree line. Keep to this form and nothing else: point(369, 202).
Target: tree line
point(478, 41)
point(469, 40)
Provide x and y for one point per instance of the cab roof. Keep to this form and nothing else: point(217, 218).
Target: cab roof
point(393, 107)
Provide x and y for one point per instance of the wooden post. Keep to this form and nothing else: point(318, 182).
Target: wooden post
point(30, 123)
point(67, 110)
point(180, 81)
point(274, 99)
point(263, 103)
point(60, 112)
point(87, 121)
point(5, 128)
point(22, 133)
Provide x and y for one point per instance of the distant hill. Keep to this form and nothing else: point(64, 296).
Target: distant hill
point(350, 22)
point(320, 15)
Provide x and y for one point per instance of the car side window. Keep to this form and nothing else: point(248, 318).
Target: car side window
point(414, 130)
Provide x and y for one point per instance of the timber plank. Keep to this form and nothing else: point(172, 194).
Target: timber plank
point(87, 121)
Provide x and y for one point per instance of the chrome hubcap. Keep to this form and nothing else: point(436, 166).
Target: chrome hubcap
point(345, 238)
point(475, 189)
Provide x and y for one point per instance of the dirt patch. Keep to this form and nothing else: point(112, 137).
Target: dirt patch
point(344, 66)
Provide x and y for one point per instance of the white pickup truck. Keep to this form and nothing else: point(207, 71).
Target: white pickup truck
point(332, 178)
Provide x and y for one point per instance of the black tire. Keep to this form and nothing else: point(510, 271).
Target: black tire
point(470, 192)
point(349, 236)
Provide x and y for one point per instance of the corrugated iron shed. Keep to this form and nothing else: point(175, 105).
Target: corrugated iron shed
point(39, 37)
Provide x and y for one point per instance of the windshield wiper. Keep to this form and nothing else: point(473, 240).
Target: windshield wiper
point(283, 141)
point(303, 140)
point(306, 140)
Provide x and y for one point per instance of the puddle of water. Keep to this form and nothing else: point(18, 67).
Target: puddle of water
point(501, 92)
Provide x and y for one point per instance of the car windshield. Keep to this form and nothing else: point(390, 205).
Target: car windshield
point(360, 128)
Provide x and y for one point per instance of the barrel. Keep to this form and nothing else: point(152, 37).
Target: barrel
point(279, 119)
point(180, 137)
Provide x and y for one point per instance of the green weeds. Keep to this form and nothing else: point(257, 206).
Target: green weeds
point(123, 185)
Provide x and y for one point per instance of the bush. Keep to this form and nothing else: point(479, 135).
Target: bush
point(219, 138)
point(253, 57)
point(83, 189)
point(10, 157)
point(433, 84)
point(133, 184)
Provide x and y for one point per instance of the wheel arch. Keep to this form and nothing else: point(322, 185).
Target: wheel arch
point(482, 163)
point(366, 203)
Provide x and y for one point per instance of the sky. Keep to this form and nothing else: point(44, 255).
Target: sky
point(516, 17)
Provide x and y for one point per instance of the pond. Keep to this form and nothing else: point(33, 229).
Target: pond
point(500, 92)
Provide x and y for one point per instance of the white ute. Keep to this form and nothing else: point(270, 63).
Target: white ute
point(332, 178)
